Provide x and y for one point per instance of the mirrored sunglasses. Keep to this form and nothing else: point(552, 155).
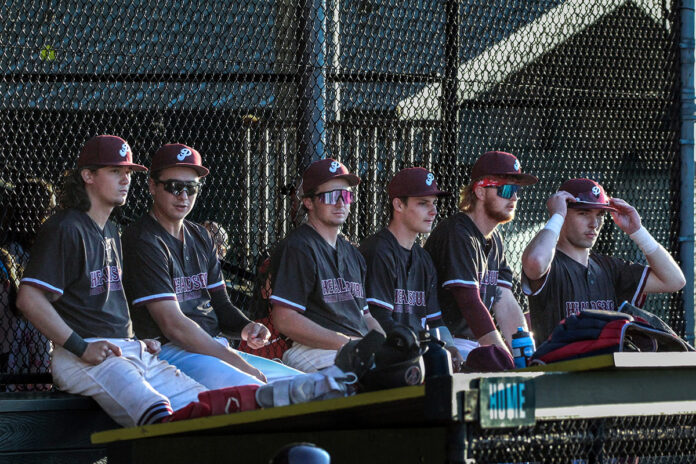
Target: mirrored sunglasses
point(505, 191)
point(331, 197)
point(177, 187)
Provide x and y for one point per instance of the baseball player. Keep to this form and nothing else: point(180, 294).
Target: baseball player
point(401, 283)
point(175, 285)
point(562, 276)
point(72, 292)
point(475, 281)
point(318, 296)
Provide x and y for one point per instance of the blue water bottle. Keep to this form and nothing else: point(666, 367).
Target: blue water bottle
point(522, 347)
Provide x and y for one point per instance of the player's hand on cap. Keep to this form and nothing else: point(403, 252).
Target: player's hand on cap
point(98, 351)
point(627, 218)
point(152, 346)
point(558, 203)
point(256, 335)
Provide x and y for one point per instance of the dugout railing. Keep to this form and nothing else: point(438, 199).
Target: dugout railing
point(612, 409)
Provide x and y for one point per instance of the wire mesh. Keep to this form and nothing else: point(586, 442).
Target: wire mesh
point(261, 88)
point(618, 440)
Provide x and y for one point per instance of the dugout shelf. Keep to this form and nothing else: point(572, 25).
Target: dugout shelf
point(432, 422)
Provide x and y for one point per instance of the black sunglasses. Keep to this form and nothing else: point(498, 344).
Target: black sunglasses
point(177, 187)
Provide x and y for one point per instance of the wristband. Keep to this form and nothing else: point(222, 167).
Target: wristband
point(555, 224)
point(644, 240)
point(75, 344)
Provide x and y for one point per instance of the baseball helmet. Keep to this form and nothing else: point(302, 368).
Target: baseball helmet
point(301, 453)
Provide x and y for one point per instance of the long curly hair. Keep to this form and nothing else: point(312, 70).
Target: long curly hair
point(73, 193)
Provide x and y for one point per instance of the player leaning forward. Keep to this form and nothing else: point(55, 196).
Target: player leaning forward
point(72, 292)
point(317, 276)
point(174, 282)
point(562, 276)
point(475, 281)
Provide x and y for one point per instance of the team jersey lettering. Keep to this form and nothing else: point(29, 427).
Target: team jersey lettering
point(107, 278)
point(574, 307)
point(409, 297)
point(489, 278)
point(340, 290)
point(189, 287)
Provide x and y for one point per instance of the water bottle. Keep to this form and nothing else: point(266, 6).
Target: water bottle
point(522, 347)
point(437, 360)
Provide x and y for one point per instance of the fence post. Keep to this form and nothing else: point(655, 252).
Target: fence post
point(449, 103)
point(686, 142)
point(312, 61)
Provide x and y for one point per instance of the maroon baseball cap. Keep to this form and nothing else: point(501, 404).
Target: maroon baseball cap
point(107, 150)
point(499, 163)
point(414, 182)
point(178, 154)
point(488, 358)
point(323, 171)
point(588, 194)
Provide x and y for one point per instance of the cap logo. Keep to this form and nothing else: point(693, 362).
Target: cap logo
point(334, 166)
point(596, 191)
point(123, 152)
point(183, 154)
point(516, 166)
point(429, 179)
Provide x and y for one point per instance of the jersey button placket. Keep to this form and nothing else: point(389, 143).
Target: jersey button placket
point(591, 284)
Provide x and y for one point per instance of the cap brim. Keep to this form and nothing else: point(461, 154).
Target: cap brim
point(429, 193)
point(520, 179)
point(135, 167)
point(202, 171)
point(524, 179)
point(588, 205)
point(352, 179)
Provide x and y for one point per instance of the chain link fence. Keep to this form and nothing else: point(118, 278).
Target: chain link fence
point(617, 440)
point(262, 87)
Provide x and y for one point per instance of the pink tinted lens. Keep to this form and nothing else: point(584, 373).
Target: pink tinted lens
point(331, 198)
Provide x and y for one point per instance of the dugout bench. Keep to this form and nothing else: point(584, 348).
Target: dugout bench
point(50, 427)
point(465, 418)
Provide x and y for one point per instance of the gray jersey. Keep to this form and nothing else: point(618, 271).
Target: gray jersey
point(569, 287)
point(81, 264)
point(324, 284)
point(463, 257)
point(160, 267)
point(401, 281)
